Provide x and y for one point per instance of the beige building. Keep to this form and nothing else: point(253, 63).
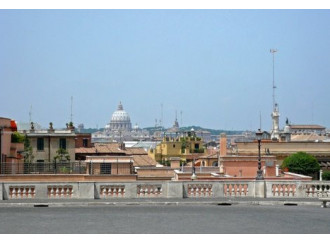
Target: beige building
point(187, 148)
point(46, 143)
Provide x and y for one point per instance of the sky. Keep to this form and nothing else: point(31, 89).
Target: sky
point(213, 66)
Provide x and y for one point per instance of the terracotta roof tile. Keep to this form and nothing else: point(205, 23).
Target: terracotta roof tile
point(143, 160)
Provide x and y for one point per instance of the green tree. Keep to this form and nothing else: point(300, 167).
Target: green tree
point(17, 137)
point(326, 175)
point(61, 155)
point(301, 163)
point(28, 152)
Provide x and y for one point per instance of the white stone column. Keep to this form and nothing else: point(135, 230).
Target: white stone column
point(277, 170)
point(321, 173)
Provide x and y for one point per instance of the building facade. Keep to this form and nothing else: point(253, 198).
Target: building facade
point(46, 143)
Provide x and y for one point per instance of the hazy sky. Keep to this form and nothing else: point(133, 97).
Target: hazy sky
point(213, 65)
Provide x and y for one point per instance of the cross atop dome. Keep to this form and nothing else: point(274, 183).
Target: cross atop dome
point(120, 106)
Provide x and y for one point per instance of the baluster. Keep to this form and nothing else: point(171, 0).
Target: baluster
point(307, 188)
point(71, 191)
point(50, 191)
point(29, 193)
point(239, 188)
point(61, 191)
point(16, 192)
point(119, 192)
point(225, 189)
point(23, 192)
point(33, 192)
point(229, 190)
point(141, 191)
point(233, 189)
point(197, 193)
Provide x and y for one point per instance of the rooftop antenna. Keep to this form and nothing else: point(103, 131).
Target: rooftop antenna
point(161, 119)
point(30, 114)
point(312, 112)
point(181, 117)
point(273, 51)
point(260, 120)
point(71, 109)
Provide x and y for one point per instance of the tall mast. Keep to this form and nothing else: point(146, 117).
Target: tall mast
point(30, 114)
point(71, 109)
point(273, 51)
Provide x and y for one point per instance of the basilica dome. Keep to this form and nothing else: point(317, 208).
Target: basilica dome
point(120, 120)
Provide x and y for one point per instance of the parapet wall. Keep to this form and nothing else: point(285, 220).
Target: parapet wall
point(161, 189)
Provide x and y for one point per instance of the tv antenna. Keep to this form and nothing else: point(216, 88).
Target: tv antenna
point(71, 109)
point(273, 51)
point(181, 117)
point(30, 114)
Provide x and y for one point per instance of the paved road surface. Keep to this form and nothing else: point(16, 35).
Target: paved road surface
point(142, 219)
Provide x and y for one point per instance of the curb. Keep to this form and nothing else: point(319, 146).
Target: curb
point(198, 203)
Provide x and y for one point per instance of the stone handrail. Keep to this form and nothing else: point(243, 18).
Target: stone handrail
point(164, 189)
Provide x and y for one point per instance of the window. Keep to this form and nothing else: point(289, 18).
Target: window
point(63, 143)
point(105, 168)
point(85, 142)
point(40, 144)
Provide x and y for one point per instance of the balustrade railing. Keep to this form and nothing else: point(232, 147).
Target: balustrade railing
point(284, 190)
point(200, 190)
point(65, 191)
point(149, 190)
point(317, 190)
point(114, 191)
point(236, 189)
point(194, 189)
point(21, 192)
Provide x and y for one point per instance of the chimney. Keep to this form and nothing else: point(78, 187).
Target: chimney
point(175, 162)
point(223, 144)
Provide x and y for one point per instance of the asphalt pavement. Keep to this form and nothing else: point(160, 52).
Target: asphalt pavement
point(131, 218)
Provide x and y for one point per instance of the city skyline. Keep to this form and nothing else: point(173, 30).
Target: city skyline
point(213, 65)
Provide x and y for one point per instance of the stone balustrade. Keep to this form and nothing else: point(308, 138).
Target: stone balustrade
point(61, 191)
point(236, 190)
point(112, 191)
point(317, 190)
point(149, 190)
point(165, 189)
point(200, 190)
point(21, 192)
point(284, 190)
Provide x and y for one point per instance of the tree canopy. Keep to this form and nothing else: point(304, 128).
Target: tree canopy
point(301, 163)
point(61, 155)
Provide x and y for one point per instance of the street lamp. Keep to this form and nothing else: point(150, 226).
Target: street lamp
point(259, 172)
point(193, 176)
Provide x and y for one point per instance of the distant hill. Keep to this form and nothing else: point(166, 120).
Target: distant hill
point(183, 129)
point(196, 128)
point(89, 130)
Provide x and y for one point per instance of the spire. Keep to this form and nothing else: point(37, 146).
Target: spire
point(120, 106)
